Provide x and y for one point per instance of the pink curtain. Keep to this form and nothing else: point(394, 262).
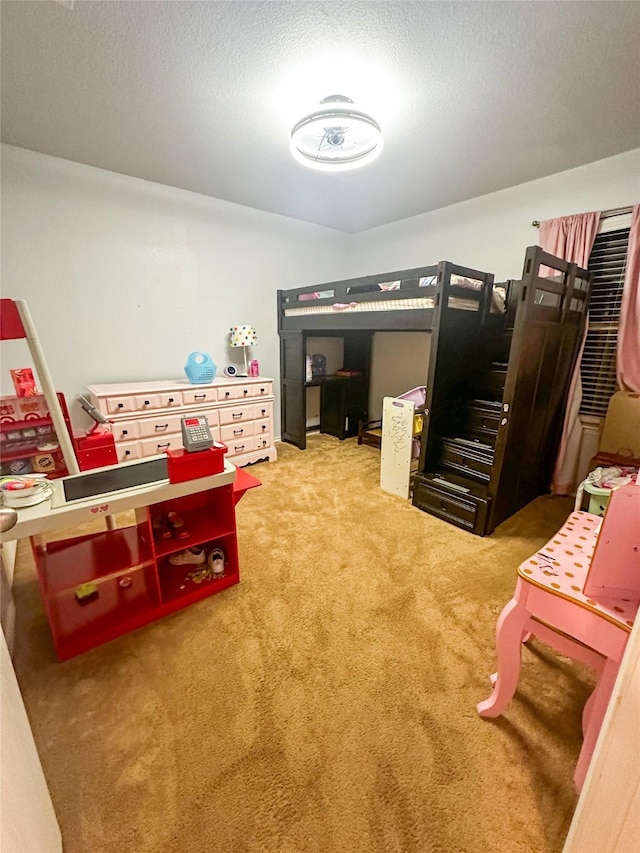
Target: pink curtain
point(628, 355)
point(571, 238)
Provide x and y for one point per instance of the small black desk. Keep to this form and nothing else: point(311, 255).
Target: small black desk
point(343, 403)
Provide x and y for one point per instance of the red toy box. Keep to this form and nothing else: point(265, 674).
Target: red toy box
point(96, 449)
point(190, 466)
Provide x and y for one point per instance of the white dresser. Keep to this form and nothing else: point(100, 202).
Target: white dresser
point(146, 415)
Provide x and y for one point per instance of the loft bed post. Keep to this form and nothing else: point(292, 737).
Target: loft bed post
point(17, 324)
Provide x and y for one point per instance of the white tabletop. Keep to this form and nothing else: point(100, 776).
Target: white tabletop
point(43, 518)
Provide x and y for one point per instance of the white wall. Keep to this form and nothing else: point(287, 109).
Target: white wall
point(491, 232)
point(399, 362)
point(124, 278)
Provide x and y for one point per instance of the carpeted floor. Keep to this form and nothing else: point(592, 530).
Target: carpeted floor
point(327, 702)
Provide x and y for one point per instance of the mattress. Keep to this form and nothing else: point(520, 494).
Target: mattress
point(419, 303)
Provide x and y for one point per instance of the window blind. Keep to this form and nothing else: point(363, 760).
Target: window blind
point(598, 367)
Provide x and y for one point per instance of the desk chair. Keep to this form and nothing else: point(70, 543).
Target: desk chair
point(579, 594)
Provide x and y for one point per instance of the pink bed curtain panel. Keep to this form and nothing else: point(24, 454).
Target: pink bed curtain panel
point(628, 355)
point(571, 238)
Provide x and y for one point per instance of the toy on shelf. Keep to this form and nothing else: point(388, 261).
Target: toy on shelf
point(23, 382)
point(97, 447)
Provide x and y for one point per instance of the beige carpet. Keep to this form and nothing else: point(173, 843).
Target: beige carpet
point(327, 702)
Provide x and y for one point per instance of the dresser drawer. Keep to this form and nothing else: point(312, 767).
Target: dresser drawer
point(143, 402)
point(159, 426)
point(160, 444)
point(262, 441)
point(263, 410)
point(168, 401)
point(116, 405)
point(234, 414)
point(263, 428)
point(236, 432)
point(262, 389)
point(125, 430)
point(196, 397)
point(128, 450)
point(242, 445)
point(235, 392)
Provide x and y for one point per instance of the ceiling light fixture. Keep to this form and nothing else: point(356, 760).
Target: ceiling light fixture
point(336, 136)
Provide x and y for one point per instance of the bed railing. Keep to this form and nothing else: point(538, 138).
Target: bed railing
point(445, 283)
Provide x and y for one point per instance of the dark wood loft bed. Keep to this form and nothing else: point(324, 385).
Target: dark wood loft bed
point(412, 305)
point(497, 378)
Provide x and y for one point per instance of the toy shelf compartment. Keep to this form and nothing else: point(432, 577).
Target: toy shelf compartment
point(120, 605)
point(32, 423)
point(204, 515)
point(68, 563)
point(185, 584)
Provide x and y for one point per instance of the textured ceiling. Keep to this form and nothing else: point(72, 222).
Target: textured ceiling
point(472, 96)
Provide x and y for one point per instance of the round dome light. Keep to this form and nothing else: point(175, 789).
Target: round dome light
point(336, 136)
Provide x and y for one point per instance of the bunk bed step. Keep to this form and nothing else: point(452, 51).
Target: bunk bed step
point(453, 499)
point(483, 420)
point(495, 382)
point(469, 459)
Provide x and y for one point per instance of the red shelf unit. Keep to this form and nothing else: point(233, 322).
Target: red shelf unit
point(102, 585)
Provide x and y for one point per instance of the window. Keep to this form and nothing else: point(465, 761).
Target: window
point(598, 367)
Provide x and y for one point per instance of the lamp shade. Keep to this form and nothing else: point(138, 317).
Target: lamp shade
point(243, 336)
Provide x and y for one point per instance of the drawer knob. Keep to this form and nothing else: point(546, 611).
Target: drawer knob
point(125, 583)
point(237, 415)
point(161, 426)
